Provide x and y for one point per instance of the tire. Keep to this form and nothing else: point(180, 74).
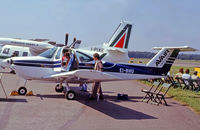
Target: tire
point(58, 90)
point(22, 91)
point(70, 95)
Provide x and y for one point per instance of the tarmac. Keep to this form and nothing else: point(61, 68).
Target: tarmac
point(50, 110)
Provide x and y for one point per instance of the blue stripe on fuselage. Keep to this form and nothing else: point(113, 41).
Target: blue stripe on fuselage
point(33, 63)
point(134, 69)
point(108, 67)
point(124, 68)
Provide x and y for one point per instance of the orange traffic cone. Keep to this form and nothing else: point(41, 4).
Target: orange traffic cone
point(14, 93)
point(30, 93)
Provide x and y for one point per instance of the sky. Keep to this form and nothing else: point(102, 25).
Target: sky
point(155, 22)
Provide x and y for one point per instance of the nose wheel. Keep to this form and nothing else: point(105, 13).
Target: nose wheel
point(22, 91)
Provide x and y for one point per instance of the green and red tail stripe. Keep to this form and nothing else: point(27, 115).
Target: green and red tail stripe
point(122, 36)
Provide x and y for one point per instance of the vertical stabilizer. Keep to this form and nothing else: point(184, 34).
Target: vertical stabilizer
point(120, 39)
point(166, 57)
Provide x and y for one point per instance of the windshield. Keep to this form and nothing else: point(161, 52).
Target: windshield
point(83, 57)
point(49, 53)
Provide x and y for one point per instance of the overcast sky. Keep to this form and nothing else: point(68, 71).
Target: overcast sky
point(155, 22)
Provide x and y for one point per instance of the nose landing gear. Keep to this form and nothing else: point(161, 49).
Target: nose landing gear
point(22, 91)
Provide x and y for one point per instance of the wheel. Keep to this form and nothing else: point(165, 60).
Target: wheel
point(58, 89)
point(22, 91)
point(70, 95)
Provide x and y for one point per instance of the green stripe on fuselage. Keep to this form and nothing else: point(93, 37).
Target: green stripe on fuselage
point(4, 57)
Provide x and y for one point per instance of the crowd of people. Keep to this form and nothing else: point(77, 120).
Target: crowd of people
point(189, 78)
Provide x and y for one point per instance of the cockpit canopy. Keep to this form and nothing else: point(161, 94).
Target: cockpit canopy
point(58, 52)
point(49, 53)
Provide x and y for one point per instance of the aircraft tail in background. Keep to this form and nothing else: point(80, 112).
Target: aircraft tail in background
point(120, 39)
point(166, 57)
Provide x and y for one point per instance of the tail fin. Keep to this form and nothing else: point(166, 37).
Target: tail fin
point(166, 57)
point(120, 39)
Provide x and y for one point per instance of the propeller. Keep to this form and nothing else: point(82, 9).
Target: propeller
point(74, 39)
point(66, 38)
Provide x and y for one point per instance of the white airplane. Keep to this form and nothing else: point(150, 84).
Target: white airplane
point(115, 50)
point(7, 51)
point(22, 47)
point(47, 67)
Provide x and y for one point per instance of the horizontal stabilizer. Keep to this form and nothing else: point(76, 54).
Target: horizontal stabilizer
point(181, 48)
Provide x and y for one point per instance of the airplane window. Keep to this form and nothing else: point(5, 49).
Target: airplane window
point(49, 53)
point(83, 57)
point(25, 54)
point(16, 53)
point(6, 50)
point(58, 53)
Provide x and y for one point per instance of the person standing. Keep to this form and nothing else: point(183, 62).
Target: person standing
point(65, 59)
point(96, 88)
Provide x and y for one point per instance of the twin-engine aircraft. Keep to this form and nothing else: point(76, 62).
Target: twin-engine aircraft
point(48, 67)
point(115, 50)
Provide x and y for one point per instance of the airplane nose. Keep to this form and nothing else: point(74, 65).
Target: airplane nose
point(9, 61)
point(6, 63)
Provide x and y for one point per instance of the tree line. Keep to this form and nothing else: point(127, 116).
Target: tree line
point(138, 54)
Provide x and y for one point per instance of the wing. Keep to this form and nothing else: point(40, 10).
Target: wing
point(88, 75)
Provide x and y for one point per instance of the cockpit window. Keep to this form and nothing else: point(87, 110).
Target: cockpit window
point(83, 57)
point(49, 53)
point(6, 50)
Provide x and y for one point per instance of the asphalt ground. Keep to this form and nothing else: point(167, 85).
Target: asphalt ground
point(50, 110)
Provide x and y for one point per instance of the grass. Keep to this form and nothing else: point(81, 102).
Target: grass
point(187, 97)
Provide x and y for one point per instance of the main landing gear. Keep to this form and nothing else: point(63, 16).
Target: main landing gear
point(69, 94)
point(59, 89)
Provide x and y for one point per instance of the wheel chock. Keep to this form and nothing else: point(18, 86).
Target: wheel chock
point(14, 93)
point(30, 93)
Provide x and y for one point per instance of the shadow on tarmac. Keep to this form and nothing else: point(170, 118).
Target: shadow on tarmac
point(108, 107)
point(116, 111)
point(13, 100)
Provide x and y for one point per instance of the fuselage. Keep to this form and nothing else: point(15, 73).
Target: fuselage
point(22, 47)
point(7, 51)
point(49, 63)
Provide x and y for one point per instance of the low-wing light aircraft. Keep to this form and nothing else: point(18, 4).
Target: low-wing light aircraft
point(48, 67)
point(115, 50)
